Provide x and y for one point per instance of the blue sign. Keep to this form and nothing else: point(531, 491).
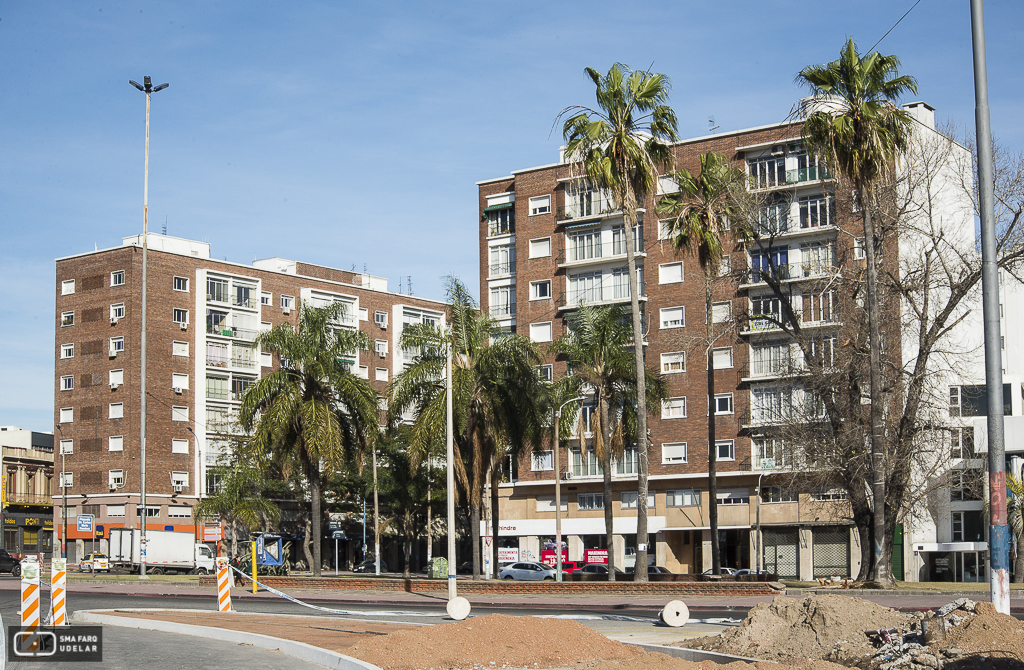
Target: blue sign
point(85, 523)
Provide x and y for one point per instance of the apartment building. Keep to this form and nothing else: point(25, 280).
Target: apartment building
point(203, 316)
point(26, 485)
point(549, 242)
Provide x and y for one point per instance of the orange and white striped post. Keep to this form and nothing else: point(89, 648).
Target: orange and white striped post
point(30, 603)
point(58, 591)
point(223, 585)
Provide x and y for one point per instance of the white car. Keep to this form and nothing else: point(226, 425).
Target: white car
point(527, 571)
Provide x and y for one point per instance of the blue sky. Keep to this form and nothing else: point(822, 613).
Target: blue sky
point(352, 133)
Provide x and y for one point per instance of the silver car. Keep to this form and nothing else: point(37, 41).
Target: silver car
point(527, 571)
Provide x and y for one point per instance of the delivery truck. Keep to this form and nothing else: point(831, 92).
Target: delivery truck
point(166, 552)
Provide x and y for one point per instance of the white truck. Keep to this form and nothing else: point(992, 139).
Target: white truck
point(166, 552)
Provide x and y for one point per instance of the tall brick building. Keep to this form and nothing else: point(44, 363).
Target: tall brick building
point(203, 316)
point(549, 242)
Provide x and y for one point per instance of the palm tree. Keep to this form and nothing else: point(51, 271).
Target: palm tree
point(313, 407)
point(597, 347)
point(498, 401)
point(238, 501)
point(620, 146)
point(702, 206)
point(860, 133)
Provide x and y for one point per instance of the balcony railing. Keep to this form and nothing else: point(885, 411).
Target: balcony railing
point(217, 297)
point(29, 498)
point(783, 271)
point(232, 331)
point(605, 293)
point(217, 393)
point(498, 311)
point(596, 252)
point(812, 173)
point(239, 301)
point(506, 268)
point(243, 362)
point(217, 360)
point(594, 206)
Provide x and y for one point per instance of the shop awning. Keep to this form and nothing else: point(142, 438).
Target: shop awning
point(504, 205)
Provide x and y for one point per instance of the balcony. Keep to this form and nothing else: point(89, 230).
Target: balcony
point(789, 272)
point(605, 294)
point(243, 301)
point(35, 453)
point(775, 178)
point(29, 499)
point(217, 393)
point(235, 332)
point(597, 253)
point(505, 269)
point(246, 362)
point(805, 174)
point(594, 204)
point(498, 312)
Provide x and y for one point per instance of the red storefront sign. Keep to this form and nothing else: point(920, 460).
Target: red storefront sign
point(549, 557)
point(595, 556)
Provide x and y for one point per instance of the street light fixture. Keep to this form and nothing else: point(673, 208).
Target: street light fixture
point(64, 507)
point(558, 490)
point(147, 88)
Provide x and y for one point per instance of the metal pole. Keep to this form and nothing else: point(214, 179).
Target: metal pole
point(142, 385)
point(760, 550)
point(64, 493)
point(558, 489)
point(376, 518)
point(999, 546)
point(450, 452)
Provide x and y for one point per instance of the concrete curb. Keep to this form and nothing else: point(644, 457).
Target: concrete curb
point(300, 650)
point(695, 655)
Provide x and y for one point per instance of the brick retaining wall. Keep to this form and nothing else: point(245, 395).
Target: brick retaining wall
point(515, 587)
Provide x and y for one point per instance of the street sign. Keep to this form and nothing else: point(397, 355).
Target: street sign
point(767, 463)
point(213, 533)
point(338, 535)
point(85, 523)
point(99, 530)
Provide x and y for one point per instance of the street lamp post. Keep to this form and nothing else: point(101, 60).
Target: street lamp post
point(64, 506)
point(450, 453)
point(147, 88)
point(558, 490)
point(760, 549)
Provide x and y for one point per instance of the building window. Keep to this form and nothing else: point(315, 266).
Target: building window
point(673, 317)
point(67, 287)
point(151, 510)
point(179, 316)
point(67, 415)
point(67, 446)
point(543, 460)
point(116, 345)
point(181, 284)
point(540, 290)
point(722, 358)
point(725, 266)
point(179, 348)
point(67, 480)
point(590, 501)
point(117, 278)
point(115, 510)
point(116, 410)
point(287, 302)
point(961, 443)
point(115, 443)
point(723, 403)
point(179, 480)
point(179, 413)
point(503, 302)
point(117, 311)
point(179, 380)
point(179, 512)
point(673, 452)
point(721, 312)
point(777, 494)
point(363, 372)
point(67, 383)
point(973, 400)
point(540, 247)
point(501, 221)
point(682, 498)
point(116, 377)
point(859, 253)
point(670, 273)
point(67, 351)
point(673, 408)
point(115, 478)
point(503, 260)
point(630, 498)
point(546, 373)
point(381, 347)
point(266, 298)
point(540, 205)
point(67, 319)
point(822, 494)
point(381, 374)
point(540, 332)
point(816, 211)
point(726, 450)
point(966, 485)
point(673, 362)
point(733, 497)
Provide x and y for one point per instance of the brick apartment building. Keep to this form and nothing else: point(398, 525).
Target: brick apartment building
point(549, 242)
point(203, 316)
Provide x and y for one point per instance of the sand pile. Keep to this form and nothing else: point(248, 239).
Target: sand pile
point(988, 635)
point(492, 642)
point(822, 627)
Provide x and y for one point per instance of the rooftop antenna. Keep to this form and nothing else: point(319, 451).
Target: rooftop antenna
point(165, 224)
point(711, 124)
point(353, 267)
point(364, 267)
point(399, 284)
point(408, 284)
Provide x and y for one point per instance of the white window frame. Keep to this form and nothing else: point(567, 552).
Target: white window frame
point(550, 331)
point(67, 480)
point(67, 351)
point(179, 479)
point(380, 374)
point(179, 380)
point(117, 278)
point(115, 510)
point(730, 444)
point(670, 358)
point(732, 404)
point(537, 251)
point(67, 287)
point(117, 344)
point(177, 282)
point(67, 447)
point(177, 346)
point(117, 310)
point(736, 496)
point(664, 229)
point(115, 478)
point(663, 269)
point(287, 301)
point(629, 499)
point(363, 372)
point(540, 204)
point(177, 313)
point(67, 383)
point(677, 453)
point(546, 373)
point(115, 443)
point(116, 377)
point(266, 299)
point(859, 251)
point(179, 446)
point(380, 347)
point(722, 350)
point(534, 285)
point(588, 502)
point(115, 410)
point(727, 304)
point(67, 415)
point(179, 413)
point(681, 319)
point(676, 497)
point(179, 512)
point(673, 408)
point(67, 319)
point(542, 461)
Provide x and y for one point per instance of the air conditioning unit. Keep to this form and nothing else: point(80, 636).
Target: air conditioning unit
point(178, 488)
point(113, 352)
point(177, 389)
point(778, 150)
point(113, 321)
point(114, 386)
point(286, 310)
point(381, 319)
point(184, 325)
point(383, 353)
point(566, 476)
point(113, 486)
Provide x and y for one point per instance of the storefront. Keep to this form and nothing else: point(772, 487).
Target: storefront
point(953, 561)
point(28, 533)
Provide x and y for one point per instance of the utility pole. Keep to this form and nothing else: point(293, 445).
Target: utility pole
point(450, 449)
point(558, 490)
point(999, 532)
point(147, 88)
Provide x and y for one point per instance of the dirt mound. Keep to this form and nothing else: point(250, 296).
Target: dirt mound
point(491, 642)
point(664, 662)
point(988, 635)
point(823, 627)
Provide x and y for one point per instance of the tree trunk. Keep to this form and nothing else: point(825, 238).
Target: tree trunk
point(495, 518)
point(407, 545)
point(606, 466)
point(1018, 569)
point(376, 516)
point(314, 491)
point(474, 532)
point(629, 204)
point(716, 550)
point(881, 570)
point(305, 543)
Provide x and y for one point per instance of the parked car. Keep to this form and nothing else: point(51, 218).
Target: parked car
point(9, 563)
point(97, 562)
point(569, 567)
point(748, 571)
point(597, 569)
point(725, 571)
point(527, 571)
point(465, 568)
point(370, 567)
point(651, 570)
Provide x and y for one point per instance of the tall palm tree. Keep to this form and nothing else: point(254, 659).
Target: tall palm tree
point(313, 407)
point(239, 501)
point(597, 347)
point(701, 207)
point(620, 146)
point(858, 130)
point(498, 399)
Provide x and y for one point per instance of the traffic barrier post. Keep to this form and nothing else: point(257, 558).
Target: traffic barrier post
point(30, 603)
point(223, 585)
point(58, 593)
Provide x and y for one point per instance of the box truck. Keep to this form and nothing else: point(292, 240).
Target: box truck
point(166, 552)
